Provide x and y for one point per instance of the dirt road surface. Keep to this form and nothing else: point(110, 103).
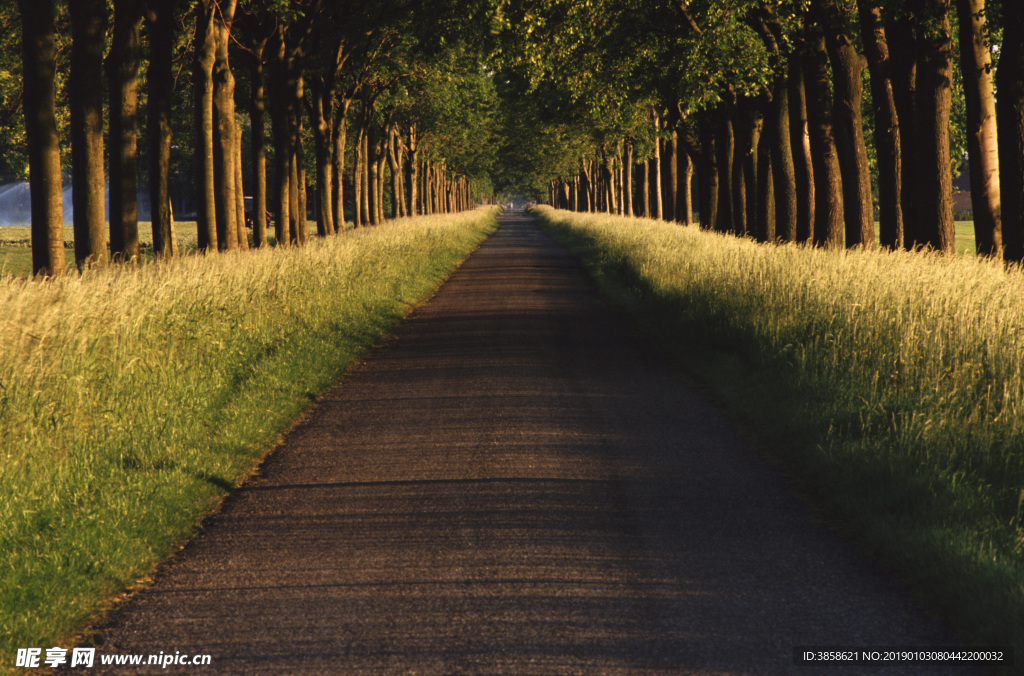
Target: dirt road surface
point(515, 484)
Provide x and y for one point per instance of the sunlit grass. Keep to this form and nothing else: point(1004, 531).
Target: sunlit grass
point(133, 398)
point(889, 383)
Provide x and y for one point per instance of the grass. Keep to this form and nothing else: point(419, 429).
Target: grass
point(889, 384)
point(132, 399)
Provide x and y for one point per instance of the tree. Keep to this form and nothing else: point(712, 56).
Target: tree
point(123, 78)
point(934, 98)
point(88, 178)
point(39, 57)
point(887, 126)
point(161, 16)
point(1010, 112)
point(982, 139)
point(828, 185)
point(847, 69)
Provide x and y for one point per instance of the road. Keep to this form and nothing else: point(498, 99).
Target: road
point(515, 483)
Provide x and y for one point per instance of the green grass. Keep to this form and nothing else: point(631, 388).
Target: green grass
point(888, 383)
point(132, 399)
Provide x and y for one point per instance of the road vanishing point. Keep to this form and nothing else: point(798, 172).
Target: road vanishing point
point(515, 483)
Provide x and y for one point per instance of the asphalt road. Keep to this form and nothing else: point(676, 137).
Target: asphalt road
point(515, 484)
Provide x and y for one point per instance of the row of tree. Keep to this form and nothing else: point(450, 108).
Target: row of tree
point(406, 99)
point(764, 100)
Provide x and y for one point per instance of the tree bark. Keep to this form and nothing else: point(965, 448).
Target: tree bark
point(88, 181)
point(887, 126)
point(123, 75)
point(224, 130)
point(659, 202)
point(800, 143)
point(339, 134)
point(725, 146)
point(243, 232)
point(982, 137)
point(628, 169)
point(202, 74)
point(902, 42)
point(414, 168)
point(1010, 111)
point(847, 70)
point(934, 100)
point(257, 150)
point(708, 178)
point(828, 185)
point(686, 192)
point(160, 19)
point(39, 65)
point(321, 114)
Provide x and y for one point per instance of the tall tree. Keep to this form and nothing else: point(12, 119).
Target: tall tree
point(39, 59)
point(847, 70)
point(982, 139)
point(887, 126)
point(1010, 111)
point(123, 78)
point(202, 83)
point(225, 147)
point(934, 99)
point(161, 18)
point(88, 178)
point(828, 185)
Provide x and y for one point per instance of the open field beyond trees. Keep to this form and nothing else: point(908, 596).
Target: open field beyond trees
point(888, 383)
point(132, 399)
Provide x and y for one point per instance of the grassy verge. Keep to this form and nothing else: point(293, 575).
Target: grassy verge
point(889, 384)
point(133, 399)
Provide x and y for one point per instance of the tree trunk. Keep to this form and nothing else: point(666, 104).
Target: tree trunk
point(88, 181)
point(321, 114)
point(414, 168)
point(800, 143)
point(659, 202)
point(258, 148)
point(828, 184)
point(358, 186)
point(725, 146)
point(202, 82)
point(752, 116)
point(39, 64)
point(396, 174)
point(847, 70)
point(224, 130)
point(673, 211)
point(780, 152)
point(160, 76)
point(686, 192)
point(243, 232)
point(708, 178)
point(123, 74)
point(373, 178)
point(934, 99)
point(887, 126)
point(1010, 109)
point(982, 139)
point(627, 167)
point(902, 44)
point(339, 136)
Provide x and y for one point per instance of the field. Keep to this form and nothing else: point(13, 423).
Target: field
point(888, 384)
point(132, 399)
